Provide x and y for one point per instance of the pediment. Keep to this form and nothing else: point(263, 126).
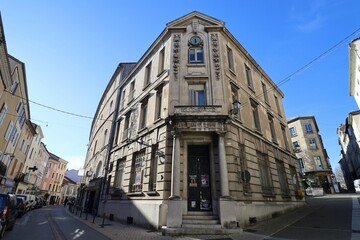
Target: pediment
point(201, 18)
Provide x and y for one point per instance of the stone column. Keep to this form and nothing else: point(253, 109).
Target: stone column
point(224, 179)
point(175, 168)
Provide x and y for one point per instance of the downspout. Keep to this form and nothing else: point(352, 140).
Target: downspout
point(103, 194)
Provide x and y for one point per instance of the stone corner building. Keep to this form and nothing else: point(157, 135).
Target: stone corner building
point(195, 127)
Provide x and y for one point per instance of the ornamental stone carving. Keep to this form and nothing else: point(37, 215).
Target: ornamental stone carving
point(215, 54)
point(176, 54)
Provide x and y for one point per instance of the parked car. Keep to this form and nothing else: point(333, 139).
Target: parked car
point(357, 185)
point(21, 206)
point(30, 201)
point(8, 212)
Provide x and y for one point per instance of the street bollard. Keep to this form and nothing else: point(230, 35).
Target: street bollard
point(80, 211)
point(86, 214)
point(94, 213)
point(103, 221)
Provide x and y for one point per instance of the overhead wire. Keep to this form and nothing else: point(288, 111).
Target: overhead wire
point(283, 81)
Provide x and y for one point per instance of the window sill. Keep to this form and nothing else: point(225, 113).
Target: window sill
point(135, 194)
point(153, 193)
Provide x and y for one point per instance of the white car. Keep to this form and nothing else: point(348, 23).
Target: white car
point(357, 185)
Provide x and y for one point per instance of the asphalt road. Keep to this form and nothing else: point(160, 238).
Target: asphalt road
point(51, 223)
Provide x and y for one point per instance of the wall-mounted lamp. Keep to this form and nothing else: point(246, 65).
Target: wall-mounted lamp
point(235, 107)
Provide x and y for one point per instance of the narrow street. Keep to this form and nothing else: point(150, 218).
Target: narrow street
point(329, 217)
point(51, 223)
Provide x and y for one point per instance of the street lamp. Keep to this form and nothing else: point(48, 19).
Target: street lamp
point(235, 107)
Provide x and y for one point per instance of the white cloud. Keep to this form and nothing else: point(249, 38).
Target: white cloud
point(74, 162)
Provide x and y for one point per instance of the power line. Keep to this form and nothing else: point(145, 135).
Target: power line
point(283, 81)
point(309, 64)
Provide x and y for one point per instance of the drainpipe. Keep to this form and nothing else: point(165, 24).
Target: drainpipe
point(103, 194)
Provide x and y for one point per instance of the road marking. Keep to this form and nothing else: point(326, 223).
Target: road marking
point(58, 235)
point(355, 234)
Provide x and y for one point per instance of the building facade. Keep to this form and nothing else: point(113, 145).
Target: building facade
point(15, 126)
point(313, 161)
point(349, 136)
point(53, 179)
point(354, 70)
point(200, 129)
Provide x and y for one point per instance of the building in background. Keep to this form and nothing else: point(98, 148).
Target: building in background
point(349, 137)
point(354, 70)
point(53, 179)
point(200, 129)
point(313, 160)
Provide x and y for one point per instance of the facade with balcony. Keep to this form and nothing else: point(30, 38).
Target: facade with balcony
point(313, 161)
point(200, 129)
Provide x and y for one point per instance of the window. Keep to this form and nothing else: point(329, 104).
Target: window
point(21, 117)
point(143, 114)
point(293, 132)
point(126, 127)
point(255, 115)
point(161, 61)
point(301, 165)
point(312, 142)
point(249, 77)
point(3, 112)
point(277, 105)
point(235, 96)
point(197, 95)
point(265, 93)
point(153, 168)
point(318, 163)
point(95, 147)
point(18, 106)
point(284, 186)
point(196, 55)
point(117, 132)
point(137, 172)
point(110, 107)
point(296, 146)
point(147, 79)
point(265, 177)
point(122, 104)
point(9, 135)
point(158, 104)
point(105, 138)
point(132, 90)
point(119, 173)
point(15, 80)
point(230, 59)
point(283, 130)
point(308, 128)
point(272, 128)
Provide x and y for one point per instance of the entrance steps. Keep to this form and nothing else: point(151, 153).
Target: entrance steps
point(200, 223)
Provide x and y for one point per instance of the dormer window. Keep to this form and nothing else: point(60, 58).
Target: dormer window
point(196, 54)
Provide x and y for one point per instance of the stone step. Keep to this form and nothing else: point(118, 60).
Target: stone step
point(200, 217)
point(201, 221)
point(201, 226)
point(205, 230)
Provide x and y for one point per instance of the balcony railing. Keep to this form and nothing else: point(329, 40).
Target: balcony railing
point(198, 110)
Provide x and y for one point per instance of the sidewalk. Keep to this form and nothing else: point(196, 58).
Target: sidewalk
point(115, 230)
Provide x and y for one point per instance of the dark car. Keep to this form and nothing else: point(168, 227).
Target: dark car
point(21, 206)
point(8, 212)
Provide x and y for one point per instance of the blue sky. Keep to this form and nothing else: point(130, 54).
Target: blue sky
point(71, 49)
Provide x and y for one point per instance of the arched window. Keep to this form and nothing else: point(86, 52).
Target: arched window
point(196, 53)
point(98, 169)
